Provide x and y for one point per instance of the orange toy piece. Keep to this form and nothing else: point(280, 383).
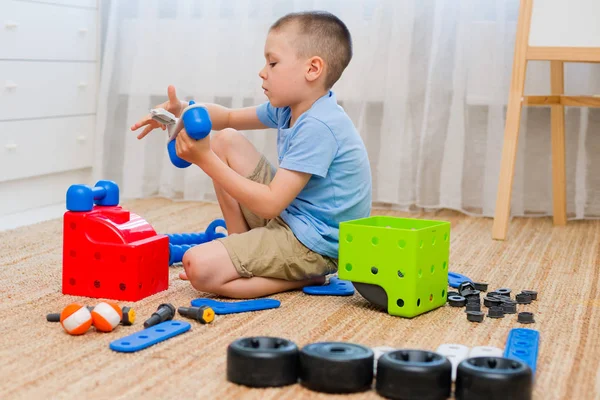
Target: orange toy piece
point(106, 316)
point(76, 319)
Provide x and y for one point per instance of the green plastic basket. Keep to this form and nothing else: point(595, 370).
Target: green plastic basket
point(406, 257)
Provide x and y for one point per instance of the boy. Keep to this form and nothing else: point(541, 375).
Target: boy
point(283, 225)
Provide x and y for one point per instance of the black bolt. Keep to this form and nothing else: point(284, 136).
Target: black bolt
point(128, 316)
point(483, 287)
point(531, 293)
point(474, 300)
point(525, 318)
point(523, 298)
point(165, 312)
point(496, 312)
point(457, 301)
point(475, 316)
point(54, 317)
point(453, 294)
point(200, 314)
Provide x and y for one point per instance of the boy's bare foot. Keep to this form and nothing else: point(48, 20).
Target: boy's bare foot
point(319, 280)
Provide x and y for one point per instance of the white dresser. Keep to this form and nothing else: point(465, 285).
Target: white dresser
point(49, 69)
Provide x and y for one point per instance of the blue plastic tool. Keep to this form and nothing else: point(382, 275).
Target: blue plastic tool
point(179, 243)
point(455, 279)
point(221, 307)
point(150, 336)
point(336, 287)
point(522, 344)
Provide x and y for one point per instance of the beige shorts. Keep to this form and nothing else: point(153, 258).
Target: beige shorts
point(270, 249)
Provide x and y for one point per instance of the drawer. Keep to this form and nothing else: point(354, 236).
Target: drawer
point(43, 89)
point(28, 32)
point(45, 146)
point(40, 191)
point(74, 3)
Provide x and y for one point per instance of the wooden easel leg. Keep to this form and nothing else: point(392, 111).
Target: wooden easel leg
point(559, 181)
point(507, 165)
point(513, 120)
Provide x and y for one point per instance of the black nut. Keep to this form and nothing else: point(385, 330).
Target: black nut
point(491, 301)
point(509, 308)
point(475, 316)
point(465, 287)
point(483, 287)
point(472, 293)
point(523, 298)
point(473, 307)
point(457, 301)
point(531, 293)
point(504, 291)
point(495, 312)
point(525, 318)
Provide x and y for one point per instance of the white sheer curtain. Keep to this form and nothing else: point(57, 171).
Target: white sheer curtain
point(427, 89)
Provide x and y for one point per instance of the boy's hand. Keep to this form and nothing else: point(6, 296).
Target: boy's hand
point(173, 105)
point(189, 149)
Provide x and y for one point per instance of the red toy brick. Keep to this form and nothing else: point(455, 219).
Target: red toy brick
point(111, 253)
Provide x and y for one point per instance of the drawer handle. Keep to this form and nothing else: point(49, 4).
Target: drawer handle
point(10, 85)
point(81, 139)
point(11, 25)
point(11, 146)
point(82, 84)
point(83, 31)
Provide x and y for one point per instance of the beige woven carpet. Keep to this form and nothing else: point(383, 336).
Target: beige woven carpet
point(39, 360)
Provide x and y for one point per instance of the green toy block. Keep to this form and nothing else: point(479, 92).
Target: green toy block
point(406, 257)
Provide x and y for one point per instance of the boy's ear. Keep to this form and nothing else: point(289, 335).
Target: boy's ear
point(315, 68)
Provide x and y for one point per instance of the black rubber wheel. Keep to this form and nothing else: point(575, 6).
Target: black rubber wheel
point(414, 374)
point(335, 367)
point(493, 378)
point(262, 362)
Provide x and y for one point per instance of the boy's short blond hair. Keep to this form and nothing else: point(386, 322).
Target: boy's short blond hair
point(322, 34)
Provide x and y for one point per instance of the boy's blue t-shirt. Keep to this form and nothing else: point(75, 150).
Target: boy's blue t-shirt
point(323, 142)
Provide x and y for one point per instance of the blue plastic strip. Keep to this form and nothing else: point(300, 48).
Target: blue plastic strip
point(221, 307)
point(522, 344)
point(455, 279)
point(150, 336)
point(336, 287)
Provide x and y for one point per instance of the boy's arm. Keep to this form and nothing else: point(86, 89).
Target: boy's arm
point(221, 117)
point(237, 118)
point(266, 201)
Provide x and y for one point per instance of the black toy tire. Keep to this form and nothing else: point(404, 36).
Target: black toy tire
point(493, 378)
point(414, 375)
point(262, 362)
point(336, 367)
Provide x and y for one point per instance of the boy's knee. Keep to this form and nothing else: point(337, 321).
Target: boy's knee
point(222, 141)
point(194, 267)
